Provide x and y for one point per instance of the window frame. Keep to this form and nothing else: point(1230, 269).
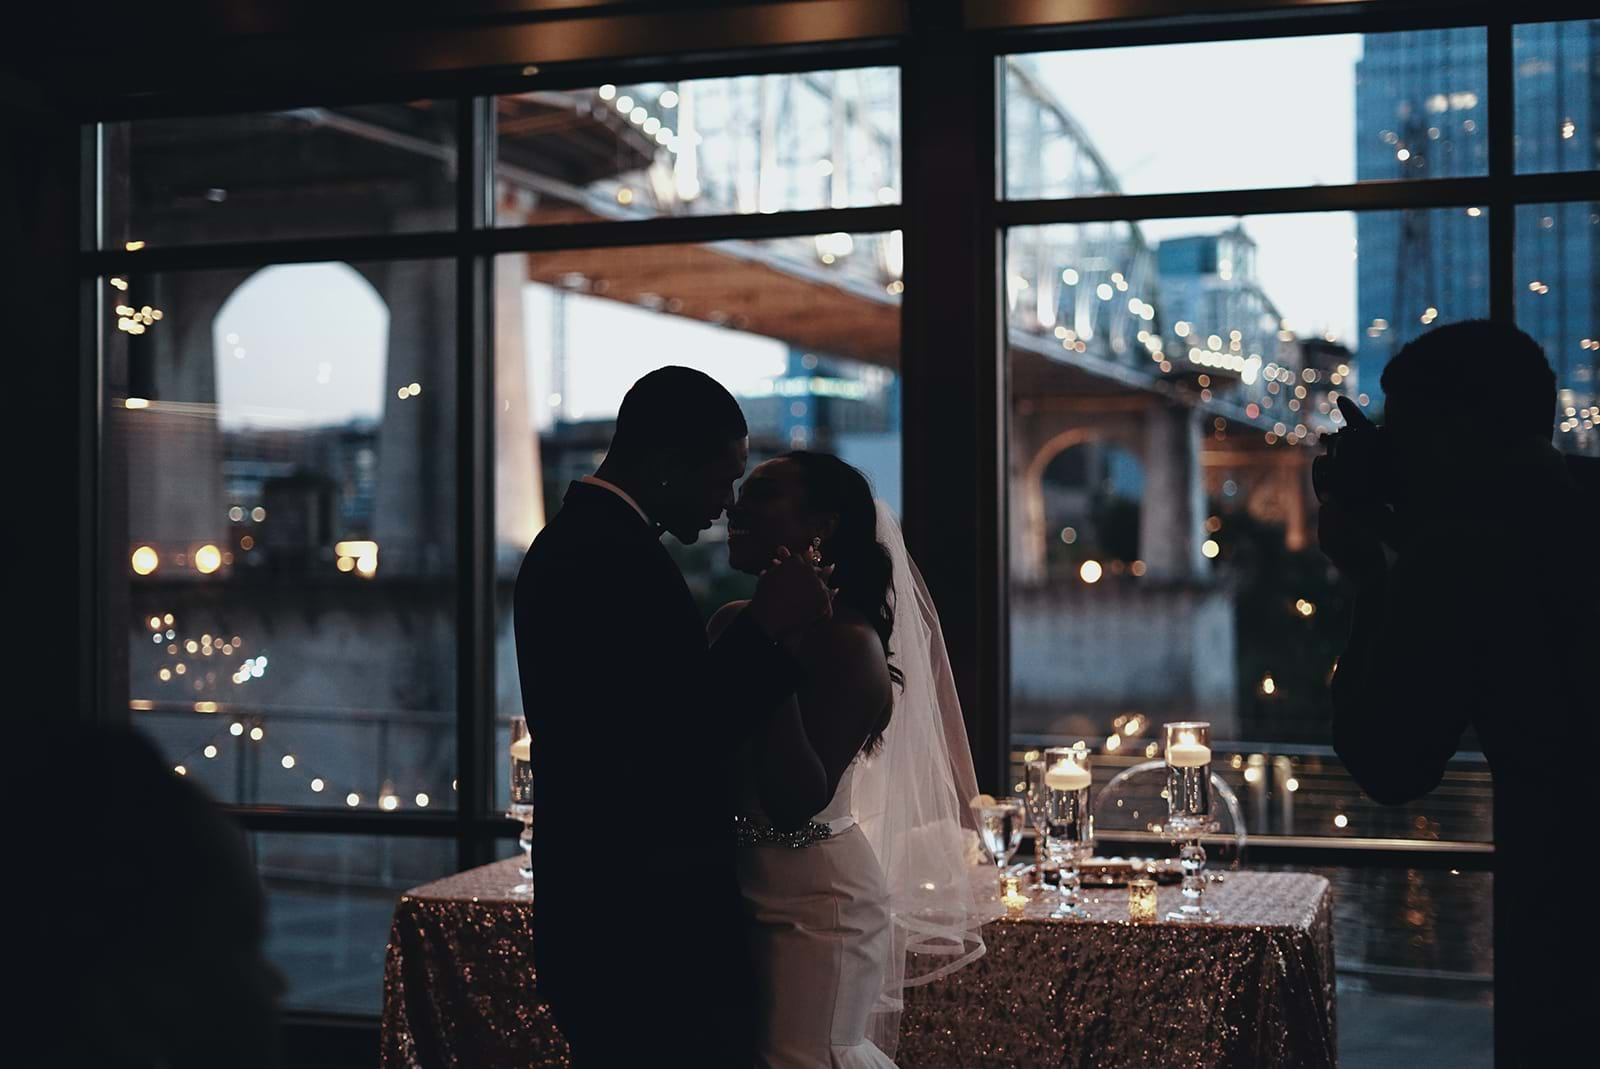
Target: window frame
point(954, 218)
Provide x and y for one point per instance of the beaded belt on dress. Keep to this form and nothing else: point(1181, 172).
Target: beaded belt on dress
point(755, 831)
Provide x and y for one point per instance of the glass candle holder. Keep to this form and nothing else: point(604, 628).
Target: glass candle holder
point(1068, 822)
point(521, 804)
point(1015, 901)
point(1142, 901)
point(1037, 797)
point(1188, 759)
point(1188, 775)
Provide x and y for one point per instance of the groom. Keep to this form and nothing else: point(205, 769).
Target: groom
point(638, 939)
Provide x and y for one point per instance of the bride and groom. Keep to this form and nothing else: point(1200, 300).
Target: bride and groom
point(750, 837)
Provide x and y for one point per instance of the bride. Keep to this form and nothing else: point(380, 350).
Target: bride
point(851, 804)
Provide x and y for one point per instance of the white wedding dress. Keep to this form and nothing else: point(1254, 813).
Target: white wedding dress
point(840, 928)
point(820, 937)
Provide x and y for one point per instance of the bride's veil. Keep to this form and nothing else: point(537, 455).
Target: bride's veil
point(911, 800)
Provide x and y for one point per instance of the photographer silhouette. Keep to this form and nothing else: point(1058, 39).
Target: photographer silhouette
point(1471, 544)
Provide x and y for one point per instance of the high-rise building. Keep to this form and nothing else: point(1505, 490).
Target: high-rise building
point(1422, 112)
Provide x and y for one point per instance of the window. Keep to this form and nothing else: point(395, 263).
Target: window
point(343, 388)
point(1214, 115)
point(708, 146)
point(285, 440)
point(1558, 302)
point(1169, 376)
point(289, 517)
point(804, 331)
point(1556, 107)
point(295, 173)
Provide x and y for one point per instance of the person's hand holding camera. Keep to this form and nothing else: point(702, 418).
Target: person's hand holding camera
point(1353, 482)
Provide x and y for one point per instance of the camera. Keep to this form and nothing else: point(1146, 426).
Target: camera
point(1359, 467)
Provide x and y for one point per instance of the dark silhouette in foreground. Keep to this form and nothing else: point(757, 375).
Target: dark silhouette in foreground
point(1472, 547)
point(141, 923)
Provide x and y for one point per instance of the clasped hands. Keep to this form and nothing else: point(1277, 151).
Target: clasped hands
point(791, 593)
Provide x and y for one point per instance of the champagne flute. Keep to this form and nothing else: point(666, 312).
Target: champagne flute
point(521, 806)
point(1038, 796)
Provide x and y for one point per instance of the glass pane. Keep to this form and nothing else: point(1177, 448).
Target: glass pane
point(1558, 302)
point(298, 173)
point(1288, 111)
point(329, 902)
point(283, 441)
point(1414, 950)
point(804, 332)
point(711, 146)
point(1558, 110)
point(1169, 381)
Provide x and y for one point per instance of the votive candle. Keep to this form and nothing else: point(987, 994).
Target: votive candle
point(1142, 901)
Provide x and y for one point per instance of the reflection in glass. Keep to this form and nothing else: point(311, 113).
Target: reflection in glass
point(805, 332)
point(711, 146)
point(1169, 382)
point(329, 902)
point(1558, 111)
point(1558, 302)
point(1245, 114)
point(285, 441)
point(297, 173)
point(1415, 954)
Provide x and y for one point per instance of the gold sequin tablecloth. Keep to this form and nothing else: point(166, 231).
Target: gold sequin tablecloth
point(1254, 989)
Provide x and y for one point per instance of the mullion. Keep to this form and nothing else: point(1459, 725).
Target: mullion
point(471, 748)
point(1358, 196)
point(1502, 308)
point(1502, 167)
point(550, 237)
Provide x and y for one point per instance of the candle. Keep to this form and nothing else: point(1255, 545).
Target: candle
point(1013, 899)
point(1188, 754)
point(1068, 776)
point(1142, 901)
point(520, 750)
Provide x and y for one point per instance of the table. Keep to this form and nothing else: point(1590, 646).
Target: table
point(1254, 989)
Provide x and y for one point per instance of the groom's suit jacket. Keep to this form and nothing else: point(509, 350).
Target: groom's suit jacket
point(634, 721)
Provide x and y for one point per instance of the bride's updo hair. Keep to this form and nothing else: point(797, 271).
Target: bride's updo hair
point(862, 570)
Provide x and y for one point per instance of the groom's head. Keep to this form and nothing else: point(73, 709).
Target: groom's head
point(680, 445)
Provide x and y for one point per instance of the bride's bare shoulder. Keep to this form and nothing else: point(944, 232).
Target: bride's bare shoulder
point(847, 648)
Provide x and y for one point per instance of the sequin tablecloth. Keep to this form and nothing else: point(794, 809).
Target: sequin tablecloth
point(1254, 989)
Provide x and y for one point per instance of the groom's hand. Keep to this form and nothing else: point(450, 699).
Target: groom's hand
point(790, 594)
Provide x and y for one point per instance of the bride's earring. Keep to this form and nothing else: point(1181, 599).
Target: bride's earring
point(814, 551)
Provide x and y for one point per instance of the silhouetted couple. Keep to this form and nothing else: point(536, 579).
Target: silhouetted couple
point(710, 811)
point(1473, 547)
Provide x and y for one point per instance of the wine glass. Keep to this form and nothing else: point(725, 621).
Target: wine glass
point(521, 805)
point(1038, 797)
point(1070, 824)
point(1000, 826)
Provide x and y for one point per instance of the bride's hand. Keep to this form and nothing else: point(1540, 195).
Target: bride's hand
point(790, 594)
